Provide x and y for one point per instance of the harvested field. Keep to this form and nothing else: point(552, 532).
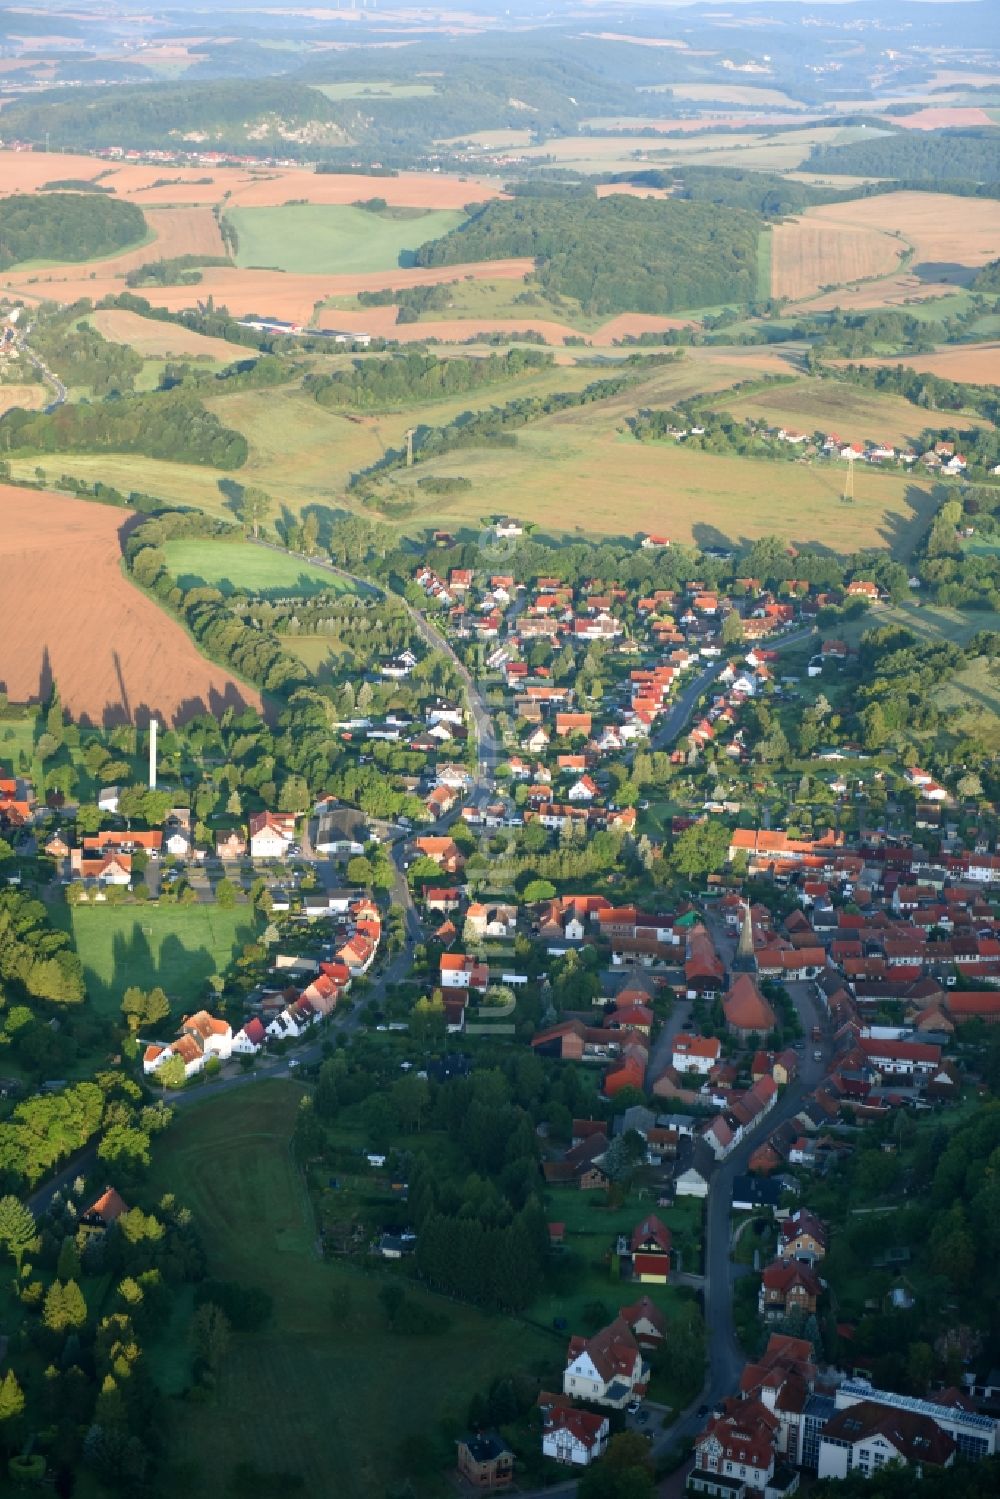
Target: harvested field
point(734, 93)
point(901, 290)
point(941, 119)
point(31, 397)
point(114, 655)
point(945, 231)
point(629, 190)
point(806, 257)
point(155, 340)
point(25, 171)
point(273, 293)
point(977, 363)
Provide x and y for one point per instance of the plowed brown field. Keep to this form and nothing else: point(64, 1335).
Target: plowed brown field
point(71, 616)
point(977, 363)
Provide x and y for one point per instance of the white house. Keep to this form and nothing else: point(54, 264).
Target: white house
point(107, 799)
point(696, 1053)
point(606, 1369)
point(271, 835)
point(691, 1183)
point(574, 1436)
point(249, 1039)
point(583, 790)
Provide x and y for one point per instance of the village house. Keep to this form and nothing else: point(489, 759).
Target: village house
point(459, 971)
point(697, 1054)
point(648, 1253)
point(485, 1461)
point(105, 1211)
point(572, 1436)
point(607, 1369)
point(271, 835)
point(788, 1285)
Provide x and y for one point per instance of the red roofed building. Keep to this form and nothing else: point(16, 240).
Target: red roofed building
point(606, 1369)
point(737, 1444)
point(746, 1010)
point(106, 1210)
point(788, 1285)
point(573, 1436)
point(650, 1247)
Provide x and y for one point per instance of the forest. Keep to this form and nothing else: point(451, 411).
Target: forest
point(616, 254)
point(944, 155)
point(66, 226)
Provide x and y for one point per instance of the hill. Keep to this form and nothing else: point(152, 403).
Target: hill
point(616, 254)
point(222, 113)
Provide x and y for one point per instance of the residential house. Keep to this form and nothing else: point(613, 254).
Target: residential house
point(249, 1039)
point(271, 835)
point(460, 971)
point(802, 1236)
point(575, 1437)
point(444, 851)
point(788, 1285)
point(105, 1211)
point(647, 1321)
point(736, 1449)
point(485, 1461)
point(696, 1053)
point(230, 844)
point(607, 1369)
point(650, 1247)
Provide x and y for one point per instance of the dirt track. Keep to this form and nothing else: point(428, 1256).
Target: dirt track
point(71, 616)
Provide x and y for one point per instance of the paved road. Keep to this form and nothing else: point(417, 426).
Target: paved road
point(58, 388)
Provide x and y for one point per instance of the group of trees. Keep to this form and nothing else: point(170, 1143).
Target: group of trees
point(616, 254)
point(36, 960)
point(176, 270)
point(415, 377)
point(170, 424)
point(67, 226)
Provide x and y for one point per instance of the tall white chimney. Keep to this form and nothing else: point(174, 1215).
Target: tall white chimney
point(152, 754)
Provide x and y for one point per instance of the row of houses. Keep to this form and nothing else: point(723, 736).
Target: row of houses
point(202, 1036)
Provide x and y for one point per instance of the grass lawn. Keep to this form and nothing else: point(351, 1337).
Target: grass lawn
point(318, 1390)
point(178, 947)
point(238, 565)
point(311, 237)
point(582, 471)
point(928, 622)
